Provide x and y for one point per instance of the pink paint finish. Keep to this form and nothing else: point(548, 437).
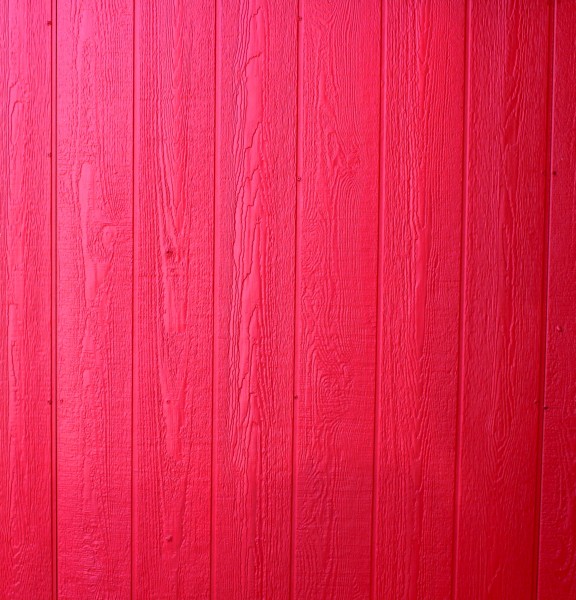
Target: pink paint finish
point(94, 298)
point(173, 300)
point(422, 181)
point(286, 299)
point(254, 298)
point(557, 556)
point(25, 292)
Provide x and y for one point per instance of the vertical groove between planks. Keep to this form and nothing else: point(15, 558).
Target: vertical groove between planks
point(53, 284)
point(297, 273)
point(545, 289)
point(461, 335)
point(213, 465)
point(379, 319)
point(135, 82)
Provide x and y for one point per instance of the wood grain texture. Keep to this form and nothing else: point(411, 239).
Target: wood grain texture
point(174, 229)
point(336, 297)
point(557, 572)
point(286, 299)
point(254, 284)
point(94, 297)
point(25, 376)
point(419, 287)
point(504, 250)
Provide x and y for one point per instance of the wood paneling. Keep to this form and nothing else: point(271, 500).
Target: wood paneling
point(502, 282)
point(174, 166)
point(94, 297)
point(286, 296)
point(337, 230)
point(25, 292)
point(422, 181)
point(254, 284)
point(557, 575)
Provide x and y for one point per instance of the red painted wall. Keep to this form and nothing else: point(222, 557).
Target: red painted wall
point(287, 297)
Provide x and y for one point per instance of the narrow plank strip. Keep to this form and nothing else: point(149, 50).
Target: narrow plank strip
point(421, 179)
point(336, 339)
point(503, 299)
point(174, 162)
point(5, 475)
point(255, 213)
point(25, 284)
point(557, 572)
point(94, 297)
point(53, 310)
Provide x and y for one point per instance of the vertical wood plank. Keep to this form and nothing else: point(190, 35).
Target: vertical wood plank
point(503, 298)
point(255, 213)
point(174, 228)
point(25, 287)
point(557, 572)
point(417, 379)
point(336, 303)
point(94, 297)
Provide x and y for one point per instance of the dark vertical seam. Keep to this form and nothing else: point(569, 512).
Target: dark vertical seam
point(545, 290)
point(4, 215)
point(379, 301)
point(296, 308)
point(53, 296)
point(132, 495)
point(462, 315)
point(213, 449)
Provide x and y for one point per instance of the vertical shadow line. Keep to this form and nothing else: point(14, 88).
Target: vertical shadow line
point(216, 188)
point(53, 296)
point(297, 309)
point(383, 81)
point(135, 122)
point(462, 315)
point(545, 290)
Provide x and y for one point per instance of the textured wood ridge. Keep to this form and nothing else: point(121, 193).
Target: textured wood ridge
point(286, 299)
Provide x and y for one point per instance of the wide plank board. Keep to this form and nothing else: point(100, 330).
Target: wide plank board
point(25, 305)
point(254, 289)
point(557, 572)
point(504, 256)
point(336, 272)
point(419, 297)
point(173, 212)
point(94, 297)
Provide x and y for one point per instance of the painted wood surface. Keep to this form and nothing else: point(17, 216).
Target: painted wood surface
point(25, 301)
point(254, 308)
point(504, 256)
point(94, 297)
point(421, 180)
point(286, 297)
point(557, 574)
point(335, 350)
point(173, 317)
